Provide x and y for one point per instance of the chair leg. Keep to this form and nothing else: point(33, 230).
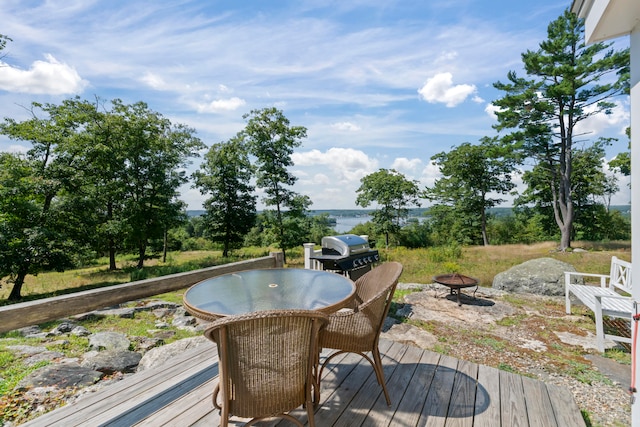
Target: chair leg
point(377, 367)
point(224, 416)
point(310, 414)
point(599, 326)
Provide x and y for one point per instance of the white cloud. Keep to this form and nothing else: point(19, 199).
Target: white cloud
point(219, 105)
point(491, 109)
point(440, 88)
point(49, 77)
point(321, 179)
point(153, 80)
point(344, 164)
point(402, 164)
point(430, 173)
point(346, 126)
point(599, 122)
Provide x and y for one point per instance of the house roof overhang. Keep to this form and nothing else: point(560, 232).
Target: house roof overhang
point(607, 19)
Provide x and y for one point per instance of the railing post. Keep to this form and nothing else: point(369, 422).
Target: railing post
point(308, 251)
point(278, 258)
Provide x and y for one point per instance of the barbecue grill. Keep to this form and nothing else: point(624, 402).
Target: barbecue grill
point(347, 254)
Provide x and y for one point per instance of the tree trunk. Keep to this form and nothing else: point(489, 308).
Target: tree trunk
point(142, 249)
point(281, 233)
point(112, 255)
point(112, 242)
point(16, 291)
point(164, 246)
point(485, 238)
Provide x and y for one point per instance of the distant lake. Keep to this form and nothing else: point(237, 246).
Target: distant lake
point(344, 224)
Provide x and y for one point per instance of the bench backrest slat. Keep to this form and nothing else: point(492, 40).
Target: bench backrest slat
point(620, 276)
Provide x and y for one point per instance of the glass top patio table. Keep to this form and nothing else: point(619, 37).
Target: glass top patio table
point(268, 289)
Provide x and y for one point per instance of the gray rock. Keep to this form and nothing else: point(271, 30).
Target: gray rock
point(162, 334)
point(80, 331)
point(30, 330)
point(144, 344)
point(63, 328)
point(44, 356)
point(159, 355)
point(440, 306)
point(542, 276)
point(61, 376)
point(183, 321)
point(158, 305)
point(26, 350)
point(109, 341)
point(122, 312)
point(410, 334)
point(112, 361)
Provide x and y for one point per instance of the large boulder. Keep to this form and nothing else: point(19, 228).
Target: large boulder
point(542, 276)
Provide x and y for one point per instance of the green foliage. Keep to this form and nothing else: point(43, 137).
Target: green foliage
point(495, 344)
point(415, 234)
point(564, 86)
point(586, 374)
point(271, 140)
point(105, 178)
point(3, 42)
point(231, 210)
point(442, 254)
point(36, 232)
point(506, 367)
point(471, 173)
point(320, 226)
point(394, 194)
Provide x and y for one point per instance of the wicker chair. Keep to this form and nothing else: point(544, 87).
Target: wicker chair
point(357, 330)
point(267, 362)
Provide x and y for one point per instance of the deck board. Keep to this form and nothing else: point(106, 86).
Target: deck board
point(512, 403)
point(487, 404)
point(426, 388)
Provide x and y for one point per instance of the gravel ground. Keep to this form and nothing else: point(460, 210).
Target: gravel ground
point(527, 334)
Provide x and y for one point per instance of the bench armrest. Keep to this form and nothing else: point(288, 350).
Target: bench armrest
point(603, 277)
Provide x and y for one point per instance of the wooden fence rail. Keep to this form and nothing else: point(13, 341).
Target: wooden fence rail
point(29, 313)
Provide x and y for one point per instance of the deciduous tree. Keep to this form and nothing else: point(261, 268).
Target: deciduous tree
point(271, 139)
point(393, 194)
point(225, 176)
point(472, 176)
point(37, 230)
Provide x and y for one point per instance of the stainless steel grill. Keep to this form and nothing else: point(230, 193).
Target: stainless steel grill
point(348, 254)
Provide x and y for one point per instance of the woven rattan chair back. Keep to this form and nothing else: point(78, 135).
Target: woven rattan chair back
point(266, 363)
point(358, 330)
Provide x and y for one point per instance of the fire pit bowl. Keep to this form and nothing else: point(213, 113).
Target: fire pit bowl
point(456, 282)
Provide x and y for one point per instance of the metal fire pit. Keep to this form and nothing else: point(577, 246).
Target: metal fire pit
point(456, 282)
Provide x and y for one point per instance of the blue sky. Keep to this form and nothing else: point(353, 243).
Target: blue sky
point(378, 84)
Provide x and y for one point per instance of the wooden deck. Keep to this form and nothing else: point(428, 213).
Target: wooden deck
point(427, 389)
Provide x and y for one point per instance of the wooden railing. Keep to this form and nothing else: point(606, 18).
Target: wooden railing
point(43, 310)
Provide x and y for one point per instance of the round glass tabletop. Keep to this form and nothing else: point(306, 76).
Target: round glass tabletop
point(268, 289)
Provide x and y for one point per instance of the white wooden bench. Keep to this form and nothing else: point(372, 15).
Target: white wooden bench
point(610, 297)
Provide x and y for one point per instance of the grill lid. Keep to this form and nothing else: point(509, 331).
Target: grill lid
point(344, 245)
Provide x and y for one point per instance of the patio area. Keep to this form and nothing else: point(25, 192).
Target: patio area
point(427, 389)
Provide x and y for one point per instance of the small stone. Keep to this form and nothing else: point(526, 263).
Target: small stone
point(80, 331)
